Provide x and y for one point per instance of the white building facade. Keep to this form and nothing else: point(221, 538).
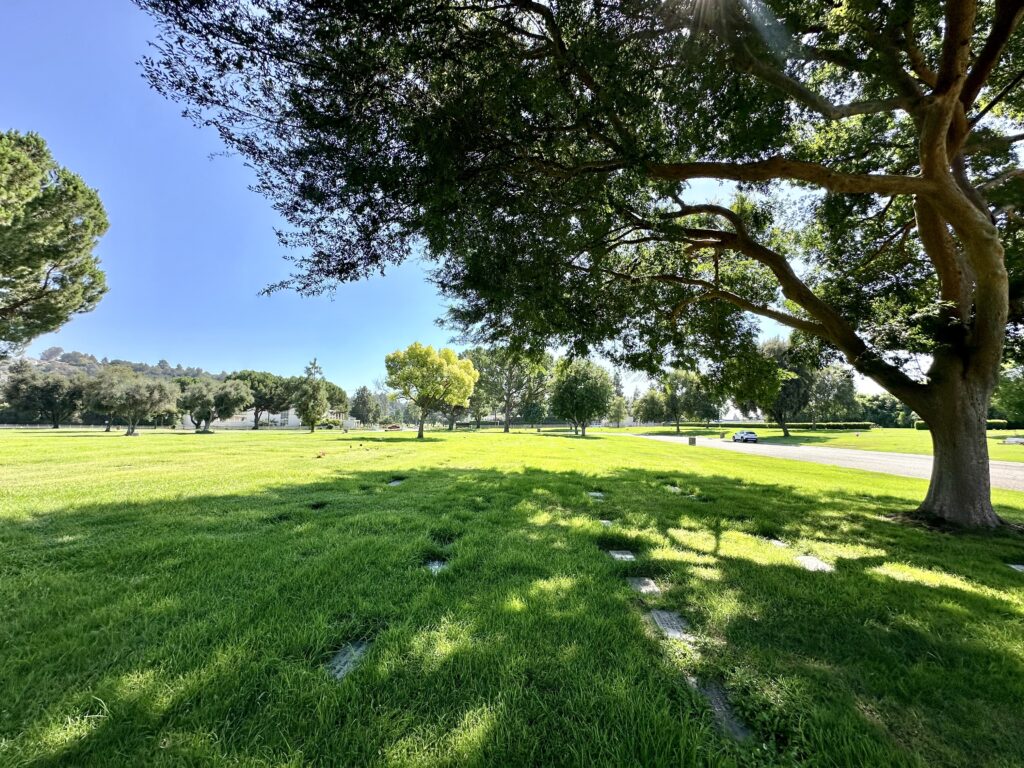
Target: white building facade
point(284, 420)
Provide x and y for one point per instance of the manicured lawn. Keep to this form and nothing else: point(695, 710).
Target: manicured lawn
point(890, 440)
point(174, 598)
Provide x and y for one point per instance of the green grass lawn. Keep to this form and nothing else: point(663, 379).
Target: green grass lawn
point(173, 599)
point(890, 440)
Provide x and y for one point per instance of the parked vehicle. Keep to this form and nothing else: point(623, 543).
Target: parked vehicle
point(392, 427)
point(744, 437)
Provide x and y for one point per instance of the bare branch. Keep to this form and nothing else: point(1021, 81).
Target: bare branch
point(813, 100)
point(1008, 15)
point(1003, 92)
point(779, 167)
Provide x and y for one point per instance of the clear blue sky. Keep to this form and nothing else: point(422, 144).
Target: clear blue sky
point(189, 246)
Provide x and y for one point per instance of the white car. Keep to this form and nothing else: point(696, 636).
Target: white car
point(744, 437)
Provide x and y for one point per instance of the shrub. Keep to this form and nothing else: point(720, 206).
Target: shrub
point(989, 424)
point(849, 425)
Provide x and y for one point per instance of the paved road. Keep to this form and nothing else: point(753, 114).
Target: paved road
point(1005, 474)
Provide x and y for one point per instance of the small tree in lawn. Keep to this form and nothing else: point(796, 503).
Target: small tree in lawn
point(103, 390)
point(43, 396)
point(481, 402)
point(452, 413)
point(511, 378)
point(617, 410)
point(534, 410)
point(337, 399)
point(650, 407)
point(688, 396)
point(365, 406)
point(777, 382)
point(673, 399)
point(310, 398)
point(432, 379)
point(832, 395)
point(580, 393)
point(140, 397)
point(196, 399)
point(206, 400)
point(230, 397)
point(269, 392)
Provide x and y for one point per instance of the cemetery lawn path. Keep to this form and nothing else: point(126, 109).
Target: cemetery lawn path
point(176, 599)
point(890, 440)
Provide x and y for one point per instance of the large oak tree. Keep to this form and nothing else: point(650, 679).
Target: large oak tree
point(549, 156)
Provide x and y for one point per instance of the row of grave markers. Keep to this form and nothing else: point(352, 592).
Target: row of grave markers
point(670, 624)
point(675, 627)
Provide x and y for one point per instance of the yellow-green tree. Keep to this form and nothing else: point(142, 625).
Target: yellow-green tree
point(431, 379)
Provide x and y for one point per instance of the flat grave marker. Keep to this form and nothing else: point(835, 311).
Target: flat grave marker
point(345, 660)
point(811, 563)
point(1017, 566)
point(643, 585)
point(595, 494)
point(621, 554)
point(673, 489)
point(606, 523)
point(778, 543)
point(436, 566)
point(396, 481)
point(720, 707)
point(673, 626)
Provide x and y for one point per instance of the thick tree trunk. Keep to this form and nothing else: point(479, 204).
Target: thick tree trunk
point(960, 489)
point(419, 432)
point(583, 429)
point(677, 426)
point(256, 419)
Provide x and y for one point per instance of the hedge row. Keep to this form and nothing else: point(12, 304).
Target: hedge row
point(862, 425)
point(989, 424)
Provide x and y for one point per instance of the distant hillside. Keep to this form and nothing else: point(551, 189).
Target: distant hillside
point(57, 360)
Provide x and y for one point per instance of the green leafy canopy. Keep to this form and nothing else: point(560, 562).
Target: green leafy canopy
point(50, 223)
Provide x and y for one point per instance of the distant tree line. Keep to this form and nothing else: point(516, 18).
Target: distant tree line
point(497, 385)
point(118, 393)
point(785, 385)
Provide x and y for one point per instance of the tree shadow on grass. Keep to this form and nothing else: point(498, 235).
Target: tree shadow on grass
point(197, 629)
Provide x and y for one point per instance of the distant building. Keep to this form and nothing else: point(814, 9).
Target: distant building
point(286, 419)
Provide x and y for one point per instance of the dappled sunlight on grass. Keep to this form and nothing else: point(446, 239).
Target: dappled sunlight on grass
point(934, 578)
point(200, 594)
point(435, 647)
